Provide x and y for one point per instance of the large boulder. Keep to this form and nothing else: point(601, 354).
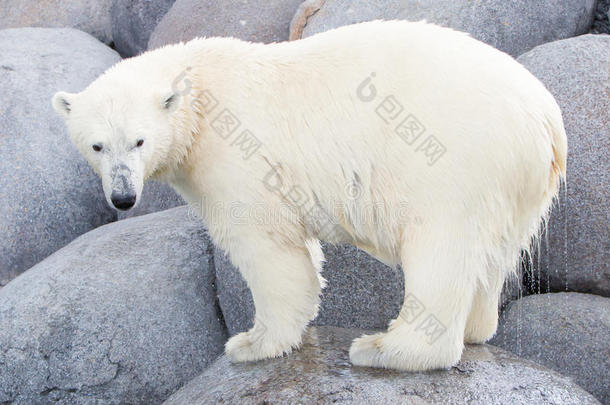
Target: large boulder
point(320, 372)
point(133, 21)
point(360, 292)
point(575, 253)
point(511, 26)
point(92, 17)
point(125, 314)
point(567, 332)
point(256, 20)
point(48, 193)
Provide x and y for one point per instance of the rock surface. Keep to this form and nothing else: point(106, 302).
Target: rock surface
point(576, 252)
point(511, 26)
point(92, 17)
point(601, 24)
point(256, 20)
point(133, 21)
point(567, 332)
point(512, 290)
point(156, 197)
point(124, 314)
point(48, 193)
point(361, 292)
point(320, 372)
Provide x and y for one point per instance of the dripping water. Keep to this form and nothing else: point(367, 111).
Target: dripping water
point(564, 210)
point(538, 260)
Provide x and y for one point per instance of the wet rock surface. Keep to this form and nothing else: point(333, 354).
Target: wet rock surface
point(320, 372)
point(567, 332)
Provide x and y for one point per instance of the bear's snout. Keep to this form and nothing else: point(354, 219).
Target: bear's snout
point(123, 202)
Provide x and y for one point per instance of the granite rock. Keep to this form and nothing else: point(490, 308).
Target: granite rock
point(92, 17)
point(256, 21)
point(566, 332)
point(575, 252)
point(511, 26)
point(133, 21)
point(48, 193)
point(125, 314)
point(601, 23)
point(320, 372)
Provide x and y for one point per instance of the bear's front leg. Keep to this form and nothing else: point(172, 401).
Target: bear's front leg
point(286, 291)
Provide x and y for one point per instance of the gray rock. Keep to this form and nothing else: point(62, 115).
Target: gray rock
point(234, 297)
point(92, 17)
point(320, 372)
point(133, 21)
point(511, 26)
point(155, 197)
point(576, 250)
point(360, 292)
point(601, 24)
point(124, 314)
point(512, 290)
point(567, 332)
point(257, 21)
point(49, 195)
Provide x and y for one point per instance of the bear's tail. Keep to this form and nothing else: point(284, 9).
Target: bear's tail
point(559, 143)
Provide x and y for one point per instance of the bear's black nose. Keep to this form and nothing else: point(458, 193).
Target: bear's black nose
point(123, 202)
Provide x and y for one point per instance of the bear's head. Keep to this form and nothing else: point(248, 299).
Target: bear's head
point(124, 123)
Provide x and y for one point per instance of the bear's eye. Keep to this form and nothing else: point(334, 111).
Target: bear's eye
point(97, 148)
point(140, 143)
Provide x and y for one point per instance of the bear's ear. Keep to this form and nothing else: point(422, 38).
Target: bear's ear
point(62, 103)
point(169, 101)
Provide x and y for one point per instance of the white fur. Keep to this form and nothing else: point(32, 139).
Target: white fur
point(457, 226)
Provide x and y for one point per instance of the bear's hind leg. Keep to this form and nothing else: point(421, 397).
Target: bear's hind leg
point(483, 318)
point(439, 287)
point(286, 291)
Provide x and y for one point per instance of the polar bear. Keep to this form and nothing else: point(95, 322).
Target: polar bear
point(415, 143)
